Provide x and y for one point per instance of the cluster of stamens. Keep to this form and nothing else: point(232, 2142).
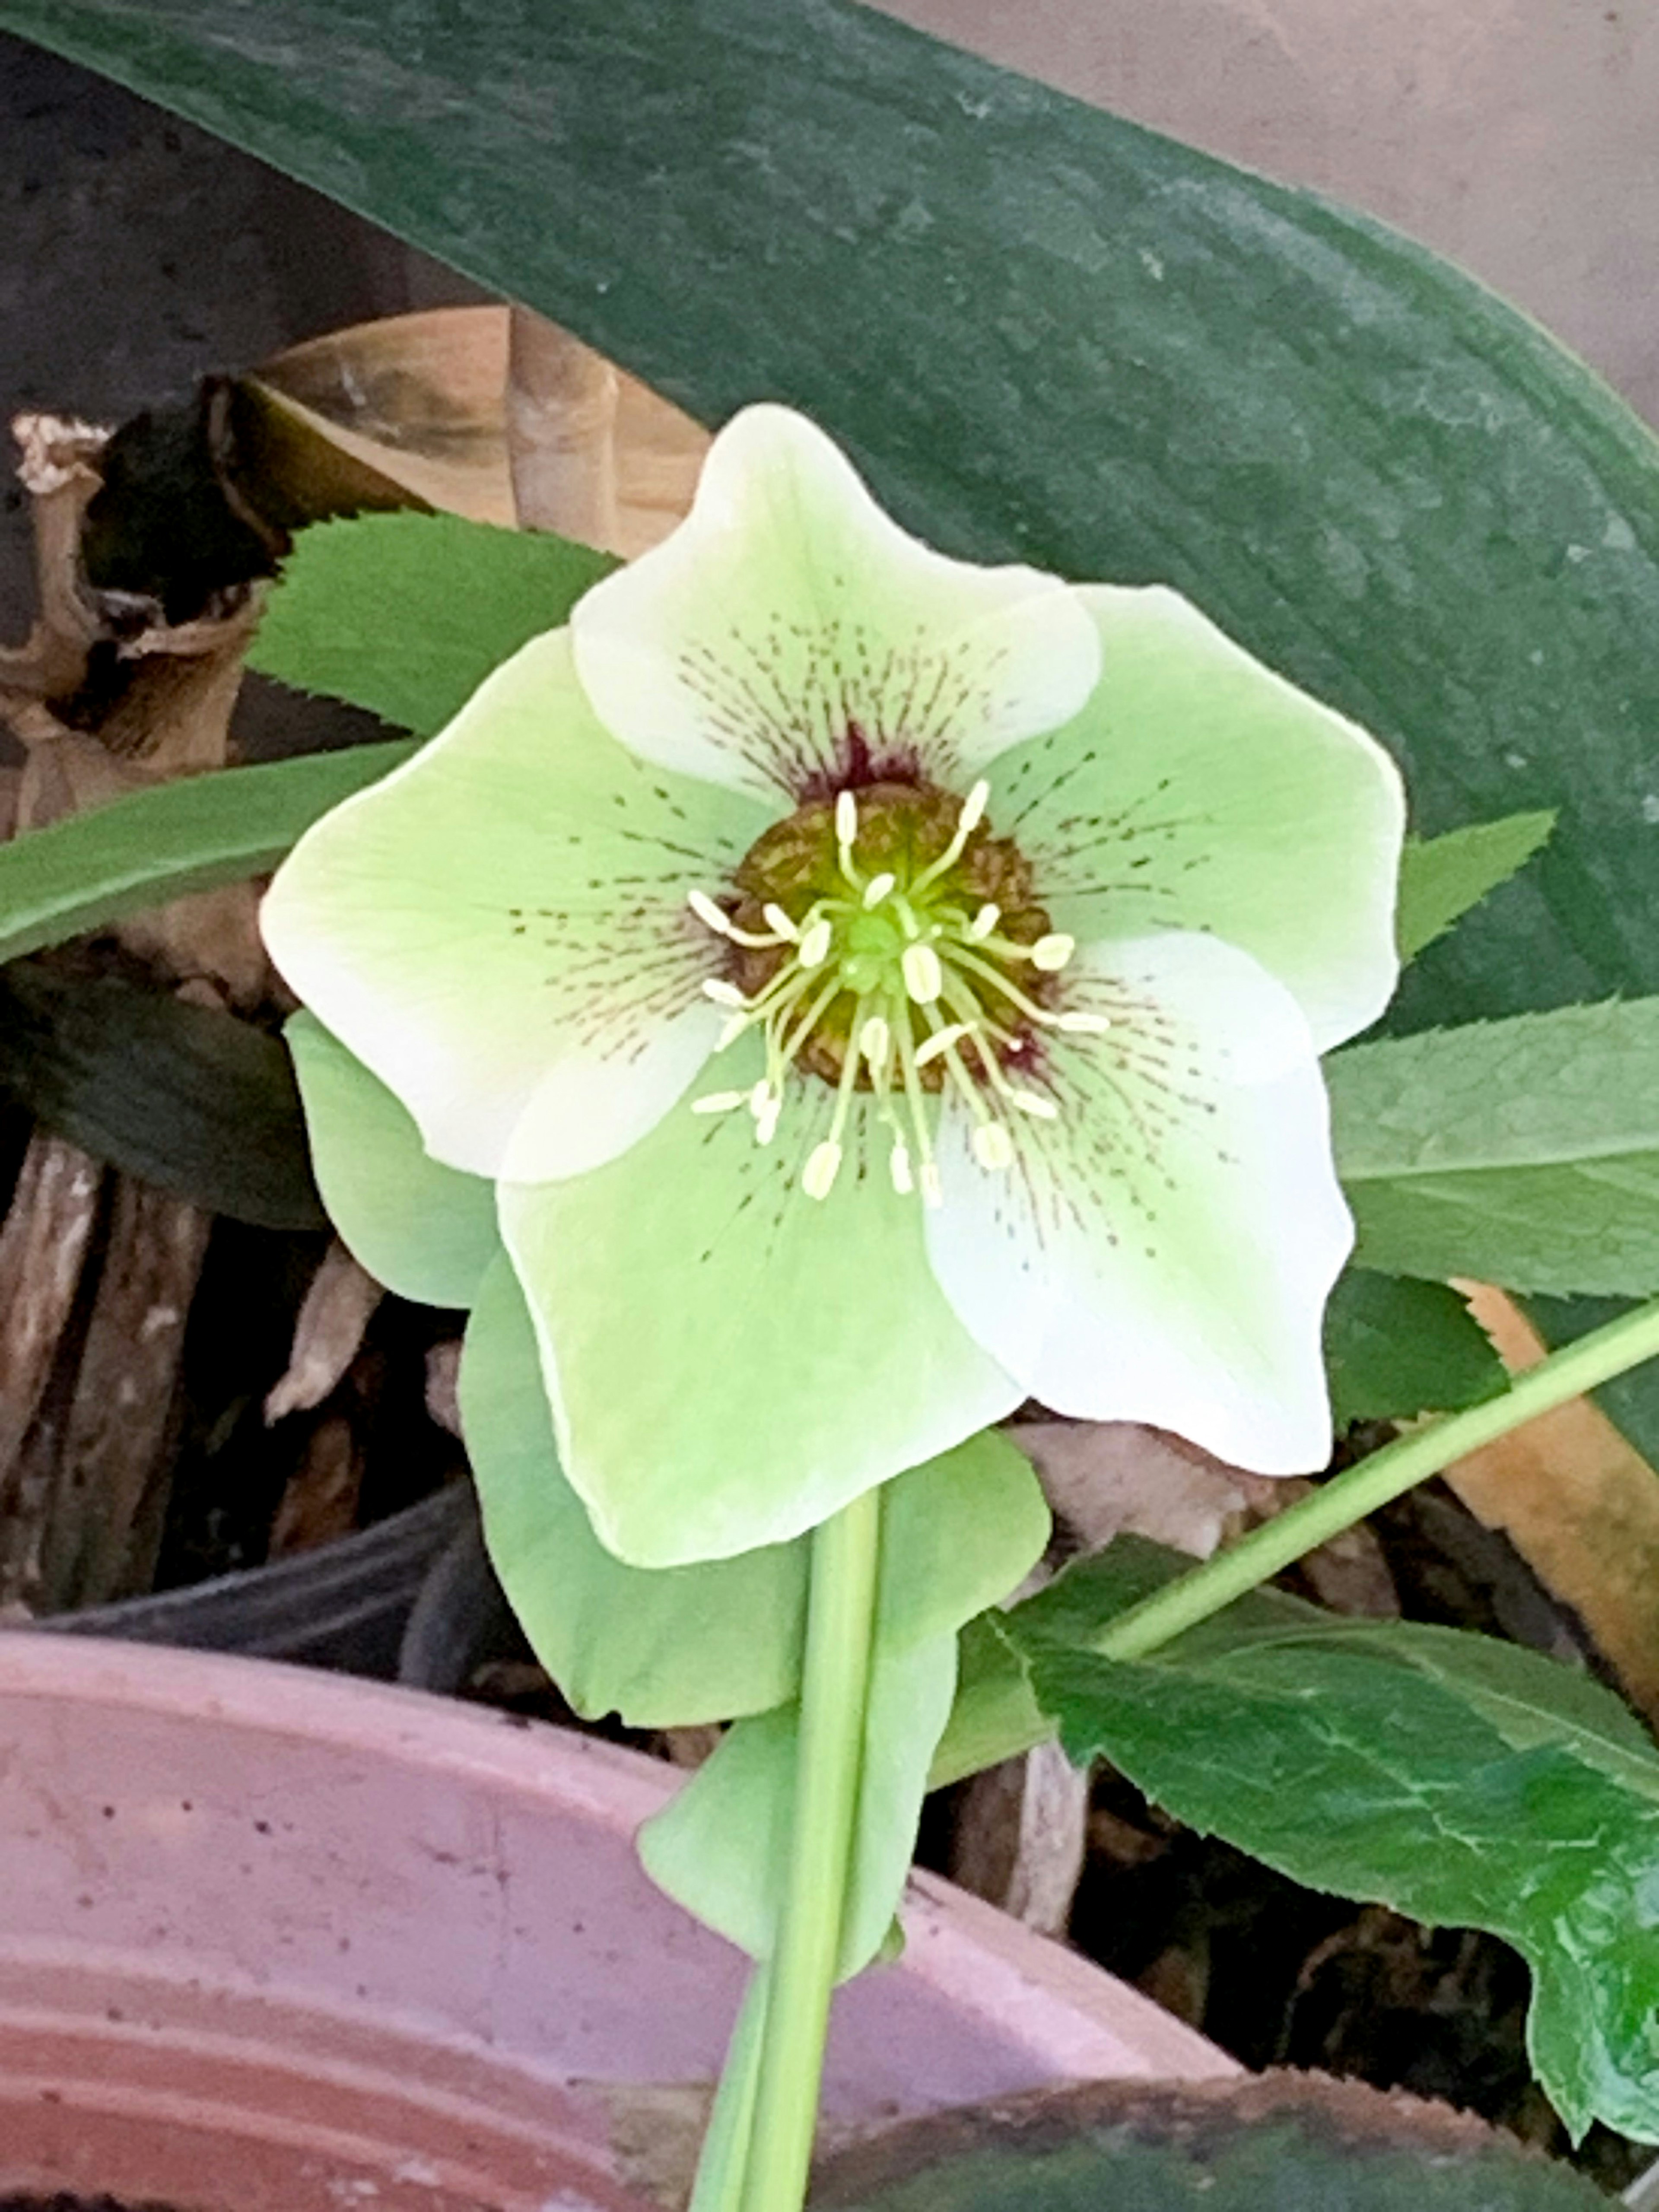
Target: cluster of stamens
point(891, 973)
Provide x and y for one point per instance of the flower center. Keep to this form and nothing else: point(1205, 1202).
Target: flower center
point(884, 941)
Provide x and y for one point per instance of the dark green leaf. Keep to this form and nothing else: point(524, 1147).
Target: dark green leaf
point(1277, 2143)
point(1442, 878)
point(994, 1716)
point(1524, 1153)
point(1047, 335)
point(196, 1101)
point(1463, 1781)
point(1394, 1347)
point(94, 869)
point(407, 614)
point(1630, 1400)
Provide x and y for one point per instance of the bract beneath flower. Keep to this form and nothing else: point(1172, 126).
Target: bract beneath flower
point(882, 989)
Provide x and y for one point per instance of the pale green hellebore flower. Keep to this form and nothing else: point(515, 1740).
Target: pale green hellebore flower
point(881, 990)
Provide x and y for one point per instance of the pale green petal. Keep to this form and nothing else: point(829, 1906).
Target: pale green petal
point(1163, 1250)
point(730, 1361)
point(506, 914)
point(788, 637)
point(956, 1536)
point(1198, 791)
point(665, 1649)
point(426, 1232)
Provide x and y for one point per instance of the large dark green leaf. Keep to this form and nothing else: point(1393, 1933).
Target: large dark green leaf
point(193, 1099)
point(1044, 332)
point(1278, 2143)
point(1466, 1782)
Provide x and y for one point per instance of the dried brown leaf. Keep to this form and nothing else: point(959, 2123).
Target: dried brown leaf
point(443, 1368)
point(1105, 1478)
point(114, 1463)
point(1021, 1836)
point(319, 1501)
point(1581, 1505)
point(419, 402)
point(59, 471)
point(328, 1334)
point(43, 1247)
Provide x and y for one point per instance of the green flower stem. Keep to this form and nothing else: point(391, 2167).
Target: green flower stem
point(731, 2125)
point(1348, 1497)
point(834, 1691)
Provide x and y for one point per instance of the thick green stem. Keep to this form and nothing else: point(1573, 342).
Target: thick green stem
point(835, 1693)
point(1348, 1497)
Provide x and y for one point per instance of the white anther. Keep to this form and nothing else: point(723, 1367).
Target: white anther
point(1051, 953)
point(822, 1167)
point(984, 921)
point(814, 948)
point(878, 888)
point(778, 920)
point(766, 1121)
point(924, 979)
point(972, 809)
point(711, 916)
point(994, 1148)
point(876, 1041)
point(720, 1102)
point(722, 992)
point(941, 1041)
point(1033, 1102)
point(898, 1166)
point(760, 1098)
point(847, 817)
point(1083, 1025)
point(731, 1031)
point(933, 1190)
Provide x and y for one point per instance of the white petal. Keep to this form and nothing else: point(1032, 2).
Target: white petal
point(788, 637)
point(1162, 1251)
point(1198, 790)
point(500, 932)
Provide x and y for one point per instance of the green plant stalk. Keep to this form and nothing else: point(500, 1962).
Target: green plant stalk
point(1348, 1497)
point(730, 2124)
point(835, 1693)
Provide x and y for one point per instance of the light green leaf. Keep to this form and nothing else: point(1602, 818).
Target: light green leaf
point(662, 1648)
point(1394, 1347)
point(1442, 878)
point(721, 1848)
point(94, 869)
point(426, 1232)
point(1465, 1782)
point(956, 1537)
point(406, 613)
point(1522, 1152)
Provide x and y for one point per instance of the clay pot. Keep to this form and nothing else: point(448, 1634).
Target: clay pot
point(278, 1941)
